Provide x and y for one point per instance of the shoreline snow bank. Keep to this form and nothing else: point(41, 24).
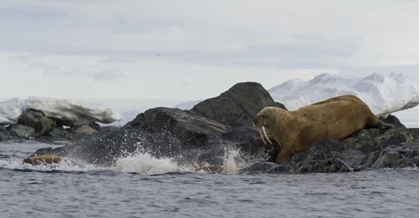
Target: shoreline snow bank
point(383, 94)
point(78, 113)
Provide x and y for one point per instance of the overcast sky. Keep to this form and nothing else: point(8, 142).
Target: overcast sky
point(187, 50)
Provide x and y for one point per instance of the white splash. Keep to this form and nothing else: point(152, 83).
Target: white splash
point(229, 163)
point(146, 164)
point(65, 164)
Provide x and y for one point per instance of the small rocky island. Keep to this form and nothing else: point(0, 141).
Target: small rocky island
point(203, 135)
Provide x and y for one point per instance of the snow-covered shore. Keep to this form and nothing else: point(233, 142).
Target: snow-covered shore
point(384, 94)
point(62, 109)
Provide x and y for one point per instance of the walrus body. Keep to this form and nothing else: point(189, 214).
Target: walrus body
point(43, 159)
point(298, 130)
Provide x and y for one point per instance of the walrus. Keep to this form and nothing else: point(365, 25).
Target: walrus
point(42, 159)
point(50, 159)
point(298, 130)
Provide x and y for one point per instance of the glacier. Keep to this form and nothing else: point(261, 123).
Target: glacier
point(384, 94)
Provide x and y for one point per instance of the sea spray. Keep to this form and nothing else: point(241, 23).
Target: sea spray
point(229, 164)
point(68, 165)
point(144, 163)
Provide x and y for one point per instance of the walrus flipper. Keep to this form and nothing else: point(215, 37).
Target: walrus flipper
point(285, 154)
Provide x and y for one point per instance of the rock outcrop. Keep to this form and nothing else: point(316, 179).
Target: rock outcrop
point(237, 106)
point(204, 135)
point(48, 119)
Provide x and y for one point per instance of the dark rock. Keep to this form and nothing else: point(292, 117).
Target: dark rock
point(95, 126)
point(192, 130)
point(369, 140)
point(415, 133)
point(332, 165)
point(243, 134)
point(237, 106)
point(36, 120)
point(394, 156)
point(22, 131)
point(4, 134)
point(393, 121)
point(322, 150)
point(261, 150)
point(260, 167)
point(60, 133)
point(280, 105)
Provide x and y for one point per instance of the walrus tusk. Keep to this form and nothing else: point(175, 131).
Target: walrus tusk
point(265, 134)
point(262, 137)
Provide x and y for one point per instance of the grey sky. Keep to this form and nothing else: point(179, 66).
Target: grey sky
point(188, 50)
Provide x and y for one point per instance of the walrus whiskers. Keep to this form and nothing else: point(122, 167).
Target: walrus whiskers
point(265, 134)
point(261, 135)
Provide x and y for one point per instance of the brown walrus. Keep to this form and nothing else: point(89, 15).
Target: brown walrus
point(42, 159)
point(298, 130)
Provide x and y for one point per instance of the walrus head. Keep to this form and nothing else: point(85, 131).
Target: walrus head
point(262, 120)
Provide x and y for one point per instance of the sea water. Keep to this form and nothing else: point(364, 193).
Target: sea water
point(142, 186)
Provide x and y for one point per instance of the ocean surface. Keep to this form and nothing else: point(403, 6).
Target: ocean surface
point(141, 186)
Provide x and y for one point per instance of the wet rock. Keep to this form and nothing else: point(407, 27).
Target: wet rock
point(4, 134)
point(331, 165)
point(394, 156)
point(322, 150)
point(260, 150)
point(192, 130)
point(369, 140)
point(36, 120)
point(237, 106)
point(260, 167)
point(107, 146)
